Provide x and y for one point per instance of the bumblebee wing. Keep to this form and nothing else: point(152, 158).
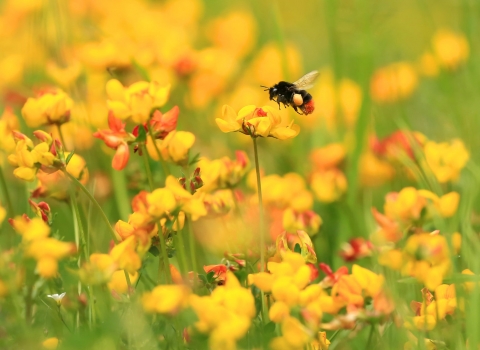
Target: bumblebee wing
point(307, 81)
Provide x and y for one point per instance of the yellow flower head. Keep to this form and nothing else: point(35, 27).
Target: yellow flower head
point(52, 107)
point(451, 49)
point(135, 101)
point(166, 299)
point(329, 185)
point(446, 160)
point(256, 121)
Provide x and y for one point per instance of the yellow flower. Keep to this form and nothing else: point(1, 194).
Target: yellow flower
point(136, 101)
point(50, 343)
point(226, 314)
point(234, 32)
point(8, 123)
point(161, 201)
point(406, 205)
point(451, 49)
point(446, 205)
point(47, 252)
point(64, 76)
point(118, 281)
point(374, 171)
point(125, 255)
point(53, 107)
point(446, 160)
point(99, 269)
point(166, 299)
point(176, 146)
point(427, 258)
point(329, 185)
point(32, 229)
point(256, 121)
point(287, 242)
point(278, 312)
point(295, 334)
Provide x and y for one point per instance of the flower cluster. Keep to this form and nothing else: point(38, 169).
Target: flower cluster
point(257, 121)
point(37, 244)
point(327, 180)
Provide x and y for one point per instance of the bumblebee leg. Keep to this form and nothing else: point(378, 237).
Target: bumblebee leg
point(296, 109)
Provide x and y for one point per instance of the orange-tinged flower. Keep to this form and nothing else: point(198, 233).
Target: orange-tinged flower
point(256, 121)
point(223, 172)
point(398, 143)
point(307, 221)
point(375, 171)
point(287, 242)
point(56, 185)
point(116, 138)
point(327, 157)
point(394, 82)
point(163, 124)
point(220, 272)
point(356, 248)
point(51, 107)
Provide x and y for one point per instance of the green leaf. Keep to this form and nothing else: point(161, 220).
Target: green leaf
point(195, 159)
point(269, 327)
point(142, 134)
point(154, 251)
point(203, 278)
point(210, 278)
point(69, 157)
point(297, 249)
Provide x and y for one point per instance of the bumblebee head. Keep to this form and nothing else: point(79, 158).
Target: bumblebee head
point(273, 91)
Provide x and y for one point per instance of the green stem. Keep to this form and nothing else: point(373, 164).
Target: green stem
point(102, 214)
point(147, 167)
point(166, 170)
point(181, 250)
point(60, 133)
point(163, 257)
point(61, 318)
point(370, 337)
point(191, 241)
point(262, 224)
point(7, 199)
point(78, 222)
point(95, 203)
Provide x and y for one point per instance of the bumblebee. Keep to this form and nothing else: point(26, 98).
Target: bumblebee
point(294, 94)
